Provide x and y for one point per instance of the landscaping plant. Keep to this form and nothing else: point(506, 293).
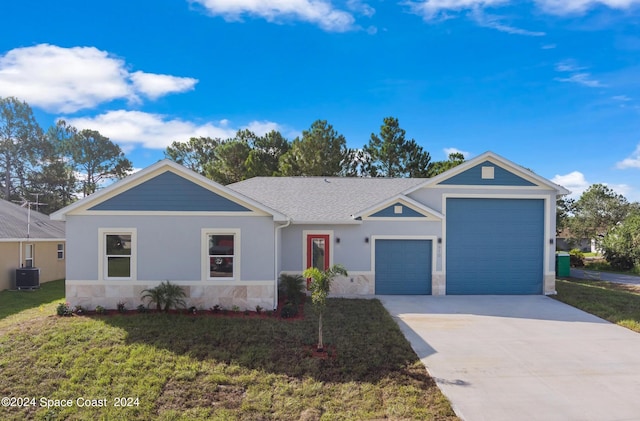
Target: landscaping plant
point(292, 287)
point(166, 295)
point(320, 286)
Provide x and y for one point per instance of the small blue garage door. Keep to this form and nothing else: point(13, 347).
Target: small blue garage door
point(495, 246)
point(403, 267)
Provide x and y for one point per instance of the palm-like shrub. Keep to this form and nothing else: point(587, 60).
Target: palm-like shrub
point(320, 286)
point(165, 295)
point(292, 287)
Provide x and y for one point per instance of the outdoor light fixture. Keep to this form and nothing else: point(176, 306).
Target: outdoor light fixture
point(366, 239)
point(337, 240)
point(439, 240)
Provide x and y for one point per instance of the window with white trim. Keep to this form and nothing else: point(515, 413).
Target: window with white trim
point(221, 252)
point(60, 251)
point(118, 255)
point(28, 255)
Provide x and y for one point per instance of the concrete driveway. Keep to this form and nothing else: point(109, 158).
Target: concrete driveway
point(523, 357)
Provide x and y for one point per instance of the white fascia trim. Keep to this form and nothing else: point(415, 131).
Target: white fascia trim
point(342, 222)
point(165, 213)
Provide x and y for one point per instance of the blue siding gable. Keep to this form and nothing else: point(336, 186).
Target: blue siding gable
point(473, 177)
point(389, 212)
point(169, 192)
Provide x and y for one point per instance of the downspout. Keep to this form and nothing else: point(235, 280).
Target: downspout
point(275, 263)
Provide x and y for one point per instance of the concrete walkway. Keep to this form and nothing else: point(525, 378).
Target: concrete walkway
point(523, 357)
point(605, 276)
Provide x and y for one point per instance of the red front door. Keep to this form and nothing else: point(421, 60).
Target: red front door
point(317, 252)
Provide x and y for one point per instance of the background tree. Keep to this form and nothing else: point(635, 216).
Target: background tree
point(596, 211)
point(564, 209)
point(195, 154)
point(94, 156)
point(621, 245)
point(438, 167)
point(54, 185)
point(321, 151)
point(22, 145)
point(229, 163)
point(264, 156)
point(390, 154)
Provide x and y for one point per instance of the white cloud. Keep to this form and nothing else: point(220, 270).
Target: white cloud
point(632, 161)
point(318, 12)
point(622, 98)
point(549, 46)
point(584, 79)
point(449, 151)
point(156, 131)
point(153, 131)
point(437, 9)
point(155, 85)
point(574, 181)
point(359, 7)
point(66, 80)
point(565, 7)
point(491, 21)
point(568, 66)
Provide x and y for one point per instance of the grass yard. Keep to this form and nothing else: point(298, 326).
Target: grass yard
point(618, 303)
point(177, 367)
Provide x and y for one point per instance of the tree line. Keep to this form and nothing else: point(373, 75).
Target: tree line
point(61, 164)
point(602, 215)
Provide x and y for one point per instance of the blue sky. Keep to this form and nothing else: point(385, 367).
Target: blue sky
point(553, 85)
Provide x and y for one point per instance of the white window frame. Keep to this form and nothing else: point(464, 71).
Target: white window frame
point(29, 255)
point(206, 232)
point(103, 266)
point(60, 251)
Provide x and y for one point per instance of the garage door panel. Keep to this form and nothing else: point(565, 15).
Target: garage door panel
point(494, 246)
point(403, 267)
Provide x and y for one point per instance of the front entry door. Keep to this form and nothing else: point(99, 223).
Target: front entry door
point(317, 252)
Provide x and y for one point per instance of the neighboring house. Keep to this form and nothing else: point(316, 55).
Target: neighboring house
point(566, 242)
point(486, 226)
point(29, 239)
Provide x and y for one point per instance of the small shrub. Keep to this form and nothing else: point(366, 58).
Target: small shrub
point(78, 310)
point(576, 258)
point(142, 309)
point(292, 287)
point(100, 310)
point(165, 295)
point(235, 309)
point(63, 309)
point(193, 310)
point(216, 309)
point(289, 310)
point(122, 308)
point(258, 309)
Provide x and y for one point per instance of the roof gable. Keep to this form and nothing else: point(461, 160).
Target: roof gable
point(399, 207)
point(487, 173)
point(169, 191)
point(505, 174)
point(167, 187)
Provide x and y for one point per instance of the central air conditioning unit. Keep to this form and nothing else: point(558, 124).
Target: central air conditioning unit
point(27, 278)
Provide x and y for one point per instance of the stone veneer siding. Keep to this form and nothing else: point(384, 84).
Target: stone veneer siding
point(90, 294)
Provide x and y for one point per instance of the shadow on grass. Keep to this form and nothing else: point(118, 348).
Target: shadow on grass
point(13, 302)
point(368, 343)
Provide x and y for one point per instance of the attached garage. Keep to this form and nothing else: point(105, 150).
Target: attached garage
point(403, 267)
point(494, 246)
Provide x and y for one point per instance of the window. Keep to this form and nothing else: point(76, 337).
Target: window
point(118, 250)
point(60, 251)
point(221, 255)
point(28, 255)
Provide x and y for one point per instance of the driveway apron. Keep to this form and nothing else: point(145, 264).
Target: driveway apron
point(523, 357)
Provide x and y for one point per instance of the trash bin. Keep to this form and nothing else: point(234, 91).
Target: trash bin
point(563, 264)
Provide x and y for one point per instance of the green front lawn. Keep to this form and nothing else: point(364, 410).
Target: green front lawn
point(618, 303)
point(12, 303)
point(214, 368)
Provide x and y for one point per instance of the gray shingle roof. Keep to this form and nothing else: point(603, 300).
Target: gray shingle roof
point(13, 223)
point(322, 199)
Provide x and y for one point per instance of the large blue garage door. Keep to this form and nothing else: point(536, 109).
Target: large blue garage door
point(403, 267)
point(495, 246)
